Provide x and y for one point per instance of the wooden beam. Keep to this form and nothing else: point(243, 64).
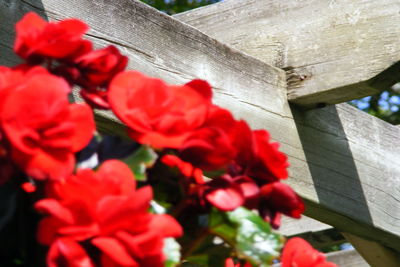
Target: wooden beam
point(374, 253)
point(292, 227)
point(344, 163)
point(347, 258)
point(333, 50)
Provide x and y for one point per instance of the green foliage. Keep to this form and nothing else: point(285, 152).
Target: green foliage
point(385, 105)
point(139, 161)
point(248, 234)
point(176, 6)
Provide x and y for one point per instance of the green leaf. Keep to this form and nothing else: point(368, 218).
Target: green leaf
point(143, 158)
point(172, 251)
point(251, 237)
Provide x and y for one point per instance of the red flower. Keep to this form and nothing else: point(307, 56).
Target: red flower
point(276, 198)
point(98, 67)
point(102, 211)
point(297, 252)
point(156, 113)
point(268, 162)
point(224, 193)
point(230, 263)
point(257, 157)
point(37, 39)
point(43, 129)
point(210, 147)
point(95, 70)
point(185, 168)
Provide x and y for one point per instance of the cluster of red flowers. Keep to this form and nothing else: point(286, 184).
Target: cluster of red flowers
point(40, 132)
point(99, 217)
point(207, 138)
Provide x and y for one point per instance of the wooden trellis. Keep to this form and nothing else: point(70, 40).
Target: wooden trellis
point(344, 163)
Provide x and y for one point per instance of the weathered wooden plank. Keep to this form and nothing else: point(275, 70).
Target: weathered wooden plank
point(333, 50)
point(318, 234)
point(374, 253)
point(343, 162)
point(291, 227)
point(347, 258)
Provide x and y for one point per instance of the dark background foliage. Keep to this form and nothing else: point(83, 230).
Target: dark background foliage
point(176, 6)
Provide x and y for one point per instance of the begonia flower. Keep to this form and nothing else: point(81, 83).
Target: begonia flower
point(95, 70)
point(37, 39)
point(210, 147)
point(268, 163)
point(257, 157)
point(298, 252)
point(101, 215)
point(277, 198)
point(98, 67)
point(158, 114)
point(43, 129)
point(224, 193)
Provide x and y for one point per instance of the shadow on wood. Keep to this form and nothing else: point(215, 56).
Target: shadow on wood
point(11, 11)
point(338, 174)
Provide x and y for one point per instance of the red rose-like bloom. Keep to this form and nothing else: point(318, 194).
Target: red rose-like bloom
point(102, 211)
point(98, 67)
point(95, 71)
point(297, 252)
point(37, 39)
point(224, 193)
point(276, 198)
point(42, 128)
point(269, 163)
point(210, 147)
point(158, 114)
point(257, 157)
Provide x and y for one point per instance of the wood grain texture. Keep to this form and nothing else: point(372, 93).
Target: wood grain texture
point(374, 253)
point(343, 162)
point(333, 50)
point(292, 227)
point(347, 258)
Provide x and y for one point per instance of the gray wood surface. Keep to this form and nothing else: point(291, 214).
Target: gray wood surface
point(333, 50)
point(291, 227)
point(343, 162)
point(347, 258)
point(374, 253)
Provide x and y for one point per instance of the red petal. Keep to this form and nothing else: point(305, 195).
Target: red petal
point(114, 249)
point(298, 252)
point(82, 116)
point(202, 87)
point(47, 230)
point(158, 140)
point(42, 166)
point(118, 173)
point(282, 198)
point(54, 208)
point(166, 225)
point(226, 198)
point(67, 252)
